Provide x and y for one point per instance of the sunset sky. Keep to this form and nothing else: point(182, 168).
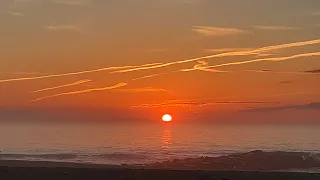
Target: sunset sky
point(217, 60)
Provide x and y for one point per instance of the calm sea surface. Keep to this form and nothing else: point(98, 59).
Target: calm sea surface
point(145, 143)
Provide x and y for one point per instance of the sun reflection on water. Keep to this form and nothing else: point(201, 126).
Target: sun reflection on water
point(167, 139)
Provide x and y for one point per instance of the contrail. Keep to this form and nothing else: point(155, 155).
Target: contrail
point(159, 65)
point(147, 89)
point(72, 73)
point(202, 67)
point(150, 76)
point(62, 86)
point(235, 53)
point(276, 72)
point(183, 61)
point(258, 60)
point(197, 104)
point(81, 91)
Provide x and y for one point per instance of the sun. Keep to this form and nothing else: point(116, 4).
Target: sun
point(167, 118)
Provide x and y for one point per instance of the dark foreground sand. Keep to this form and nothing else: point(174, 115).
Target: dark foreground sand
point(13, 170)
point(244, 166)
point(251, 161)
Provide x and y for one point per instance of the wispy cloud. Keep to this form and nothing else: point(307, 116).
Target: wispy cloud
point(72, 2)
point(149, 76)
point(124, 69)
point(259, 60)
point(277, 72)
point(18, 14)
point(236, 53)
point(66, 2)
point(19, 73)
point(293, 94)
point(207, 68)
point(23, 1)
point(311, 106)
point(203, 66)
point(286, 82)
point(195, 104)
point(147, 89)
point(258, 54)
point(315, 13)
point(276, 28)
point(63, 28)
point(62, 86)
point(217, 31)
point(221, 50)
point(316, 71)
point(72, 73)
point(266, 54)
point(81, 91)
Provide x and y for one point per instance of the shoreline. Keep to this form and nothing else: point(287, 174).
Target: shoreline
point(51, 164)
point(205, 168)
point(251, 161)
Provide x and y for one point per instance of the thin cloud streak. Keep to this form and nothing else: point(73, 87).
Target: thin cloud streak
point(275, 28)
point(62, 86)
point(125, 69)
point(81, 92)
point(70, 74)
point(316, 14)
point(18, 14)
point(147, 89)
point(66, 2)
point(63, 28)
point(286, 82)
point(72, 2)
point(189, 104)
point(202, 66)
point(236, 53)
point(221, 50)
point(217, 31)
point(316, 71)
point(259, 60)
point(20, 73)
point(310, 106)
point(152, 75)
point(277, 72)
point(293, 94)
point(258, 54)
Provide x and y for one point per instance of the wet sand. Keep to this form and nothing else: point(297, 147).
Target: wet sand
point(255, 165)
point(26, 173)
point(251, 161)
point(16, 170)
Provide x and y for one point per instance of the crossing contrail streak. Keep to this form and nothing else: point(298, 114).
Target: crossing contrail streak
point(62, 86)
point(234, 53)
point(72, 73)
point(258, 60)
point(123, 69)
point(81, 91)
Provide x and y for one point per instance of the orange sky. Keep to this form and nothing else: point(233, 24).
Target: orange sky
point(208, 57)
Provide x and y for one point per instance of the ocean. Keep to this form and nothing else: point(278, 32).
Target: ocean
point(141, 143)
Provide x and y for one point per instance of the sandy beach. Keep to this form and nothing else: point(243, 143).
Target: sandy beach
point(255, 165)
point(16, 170)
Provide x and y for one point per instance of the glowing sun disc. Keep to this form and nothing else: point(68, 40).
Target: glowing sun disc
point(166, 118)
